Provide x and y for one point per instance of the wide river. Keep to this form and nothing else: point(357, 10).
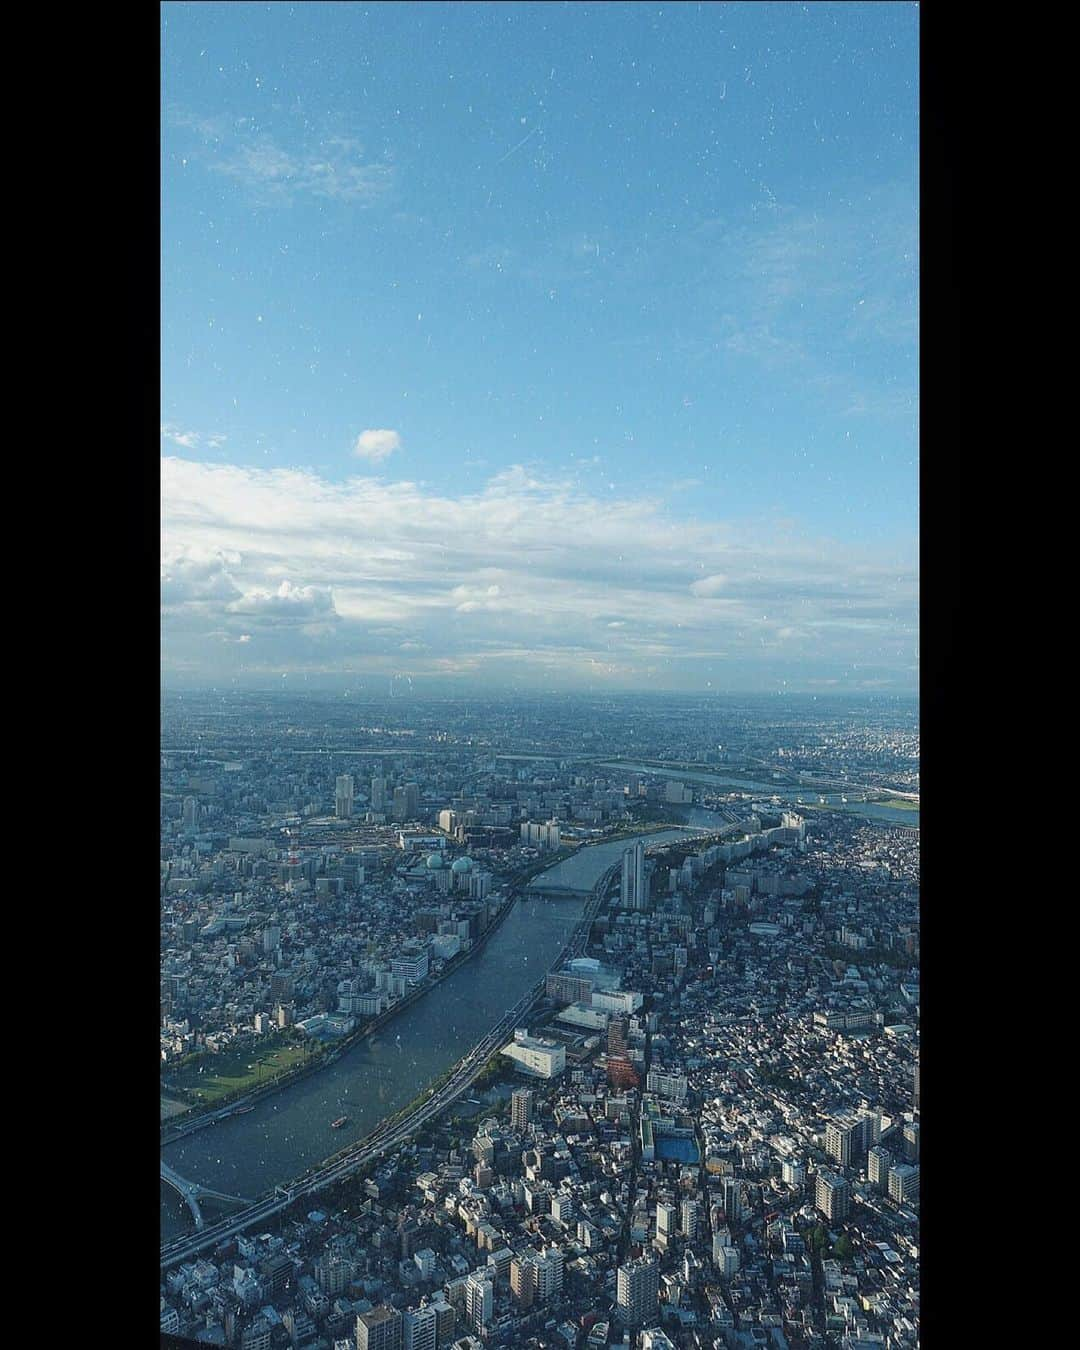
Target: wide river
point(290, 1130)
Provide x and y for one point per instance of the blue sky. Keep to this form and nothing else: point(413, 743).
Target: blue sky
point(568, 346)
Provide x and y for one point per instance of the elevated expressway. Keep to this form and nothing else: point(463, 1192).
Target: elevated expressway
point(386, 1137)
point(391, 1134)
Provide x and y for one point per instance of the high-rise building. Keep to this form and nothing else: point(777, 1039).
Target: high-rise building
point(726, 1260)
point(255, 1337)
point(445, 1321)
point(523, 1281)
point(379, 1329)
point(378, 794)
point(563, 1208)
point(537, 1277)
point(521, 1106)
point(564, 987)
point(420, 1326)
point(903, 1183)
point(847, 1138)
point(871, 1128)
point(911, 1141)
point(480, 1299)
point(665, 1220)
point(551, 1267)
point(333, 1275)
point(618, 1034)
point(632, 894)
point(832, 1195)
point(499, 1260)
point(406, 804)
point(637, 1290)
point(878, 1162)
point(343, 796)
point(916, 1101)
point(732, 1191)
point(282, 987)
point(840, 1139)
point(691, 1219)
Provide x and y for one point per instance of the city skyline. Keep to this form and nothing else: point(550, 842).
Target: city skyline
point(513, 347)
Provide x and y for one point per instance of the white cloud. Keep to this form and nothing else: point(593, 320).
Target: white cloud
point(327, 166)
point(376, 444)
point(187, 440)
point(190, 440)
point(528, 579)
point(288, 603)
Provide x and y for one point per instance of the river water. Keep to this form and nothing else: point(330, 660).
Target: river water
point(790, 796)
point(290, 1130)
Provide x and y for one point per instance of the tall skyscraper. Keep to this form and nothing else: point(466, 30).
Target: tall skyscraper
point(343, 796)
point(632, 893)
point(378, 793)
point(617, 1034)
point(406, 803)
point(665, 1220)
point(521, 1105)
point(637, 1290)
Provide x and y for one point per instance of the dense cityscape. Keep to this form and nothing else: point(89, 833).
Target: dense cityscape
point(544, 1022)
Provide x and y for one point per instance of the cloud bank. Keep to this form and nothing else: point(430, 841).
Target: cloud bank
point(531, 582)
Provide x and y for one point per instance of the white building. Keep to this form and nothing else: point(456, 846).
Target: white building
point(726, 1260)
point(540, 1058)
point(903, 1183)
point(617, 1000)
point(412, 965)
point(673, 1086)
point(581, 1015)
